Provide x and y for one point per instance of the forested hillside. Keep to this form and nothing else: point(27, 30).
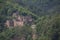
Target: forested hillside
point(40, 7)
point(44, 13)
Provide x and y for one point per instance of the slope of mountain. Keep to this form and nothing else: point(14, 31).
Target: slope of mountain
point(39, 7)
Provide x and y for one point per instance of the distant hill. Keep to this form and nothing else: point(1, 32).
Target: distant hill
point(40, 7)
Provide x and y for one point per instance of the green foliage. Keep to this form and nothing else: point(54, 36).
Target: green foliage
point(47, 27)
point(10, 33)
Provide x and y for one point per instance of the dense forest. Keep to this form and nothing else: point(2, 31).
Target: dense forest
point(45, 15)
